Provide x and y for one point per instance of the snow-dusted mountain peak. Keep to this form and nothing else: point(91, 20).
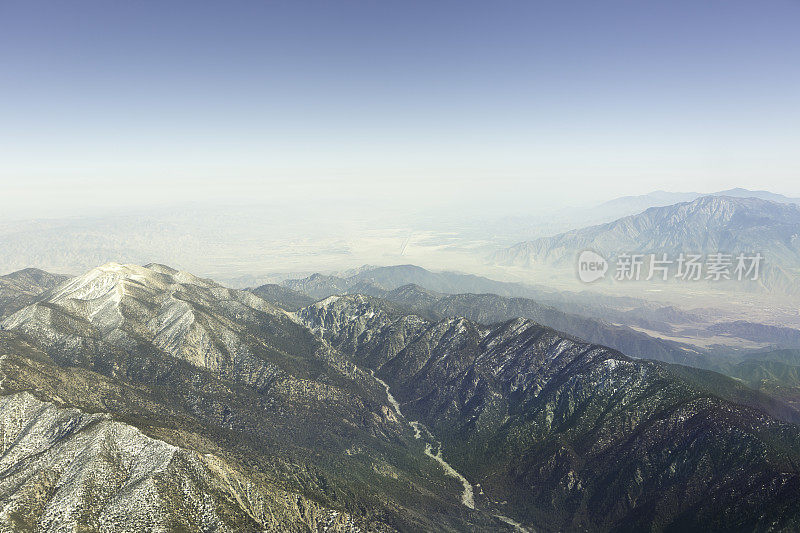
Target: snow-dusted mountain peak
point(185, 316)
point(115, 278)
point(99, 282)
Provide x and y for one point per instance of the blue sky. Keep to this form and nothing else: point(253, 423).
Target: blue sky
point(527, 103)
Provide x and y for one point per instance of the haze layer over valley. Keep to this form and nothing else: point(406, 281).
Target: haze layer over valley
point(249, 245)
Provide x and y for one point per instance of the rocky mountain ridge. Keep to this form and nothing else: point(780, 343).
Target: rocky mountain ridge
point(572, 435)
point(214, 371)
point(708, 224)
point(487, 308)
point(20, 288)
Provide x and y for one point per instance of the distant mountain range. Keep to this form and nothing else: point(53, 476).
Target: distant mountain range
point(545, 224)
point(610, 320)
point(153, 395)
point(485, 308)
point(587, 319)
point(631, 205)
point(706, 225)
point(249, 245)
point(391, 277)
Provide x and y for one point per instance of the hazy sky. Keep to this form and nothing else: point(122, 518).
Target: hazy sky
point(508, 103)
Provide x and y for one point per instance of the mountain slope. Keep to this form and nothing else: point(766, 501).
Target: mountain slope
point(216, 371)
point(283, 297)
point(374, 281)
point(776, 372)
point(577, 436)
point(491, 308)
point(631, 205)
point(708, 224)
point(139, 308)
point(20, 288)
point(105, 475)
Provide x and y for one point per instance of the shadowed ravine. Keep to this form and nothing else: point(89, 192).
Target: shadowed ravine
point(467, 497)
